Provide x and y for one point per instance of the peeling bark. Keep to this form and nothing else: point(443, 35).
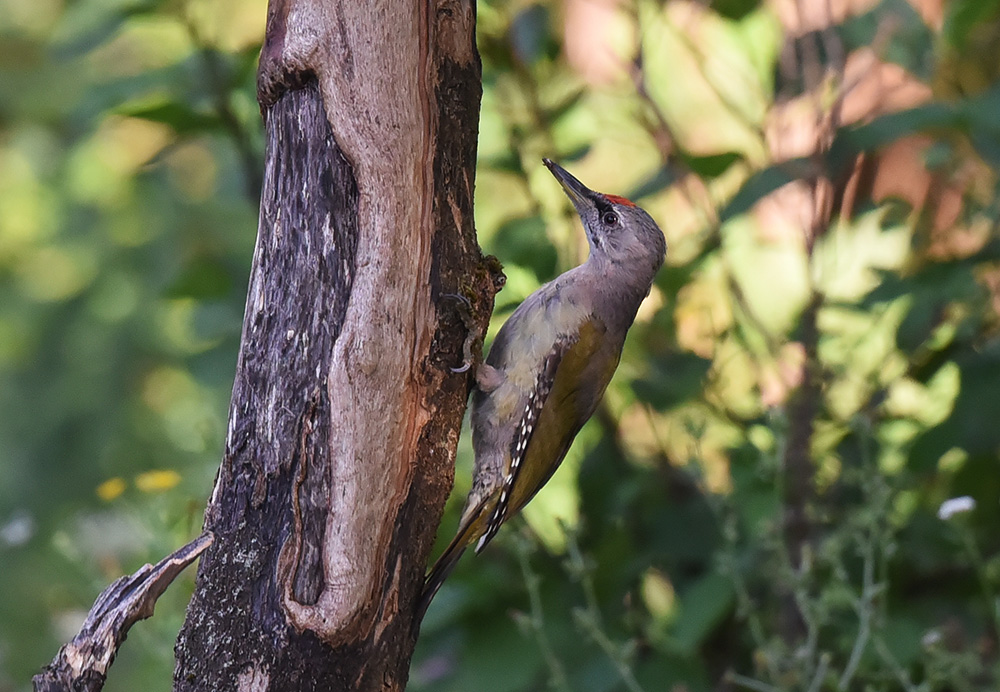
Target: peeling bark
point(345, 415)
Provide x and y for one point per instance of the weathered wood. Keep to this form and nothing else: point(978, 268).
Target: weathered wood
point(345, 415)
point(82, 665)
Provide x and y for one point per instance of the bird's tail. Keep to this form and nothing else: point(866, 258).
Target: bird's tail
point(470, 530)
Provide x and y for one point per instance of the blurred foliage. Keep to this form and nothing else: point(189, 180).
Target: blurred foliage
point(130, 147)
point(657, 558)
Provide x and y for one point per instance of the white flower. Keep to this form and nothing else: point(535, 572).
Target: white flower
point(18, 530)
point(956, 505)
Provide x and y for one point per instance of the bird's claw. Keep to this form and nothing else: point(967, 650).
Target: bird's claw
point(472, 330)
point(465, 303)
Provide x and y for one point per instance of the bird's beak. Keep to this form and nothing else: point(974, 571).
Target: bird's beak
point(579, 194)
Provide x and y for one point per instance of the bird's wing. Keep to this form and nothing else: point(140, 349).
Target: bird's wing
point(568, 387)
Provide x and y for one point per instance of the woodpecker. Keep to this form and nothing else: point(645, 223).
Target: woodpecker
point(550, 364)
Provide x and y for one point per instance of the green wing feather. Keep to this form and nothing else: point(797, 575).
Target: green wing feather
point(581, 377)
point(583, 367)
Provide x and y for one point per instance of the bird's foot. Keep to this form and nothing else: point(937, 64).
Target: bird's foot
point(464, 310)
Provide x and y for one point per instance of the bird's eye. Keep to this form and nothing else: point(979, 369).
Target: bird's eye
point(609, 218)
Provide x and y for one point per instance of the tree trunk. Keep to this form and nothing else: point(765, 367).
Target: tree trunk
point(345, 416)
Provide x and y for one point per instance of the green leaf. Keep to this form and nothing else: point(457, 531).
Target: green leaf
point(525, 243)
point(711, 166)
point(203, 278)
point(84, 30)
point(566, 105)
point(530, 37)
point(909, 44)
point(674, 674)
point(182, 118)
point(575, 154)
point(889, 128)
point(675, 378)
point(506, 162)
point(703, 606)
point(663, 178)
point(735, 9)
point(964, 16)
point(763, 183)
point(485, 661)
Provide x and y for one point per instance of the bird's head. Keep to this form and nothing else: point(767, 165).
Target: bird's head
point(618, 231)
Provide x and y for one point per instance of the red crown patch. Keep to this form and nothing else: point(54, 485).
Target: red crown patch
point(615, 199)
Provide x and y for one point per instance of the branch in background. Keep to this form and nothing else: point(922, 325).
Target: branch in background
point(82, 665)
point(797, 489)
point(806, 69)
point(804, 406)
point(250, 159)
point(653, 120)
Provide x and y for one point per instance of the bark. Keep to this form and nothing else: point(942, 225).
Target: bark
point(82, 665)
point(345, 415)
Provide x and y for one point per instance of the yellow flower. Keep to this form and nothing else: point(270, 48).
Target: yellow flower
point(111, 488)
point(157, 481)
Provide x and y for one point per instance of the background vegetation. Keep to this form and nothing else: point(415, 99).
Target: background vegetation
point(760, 503)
